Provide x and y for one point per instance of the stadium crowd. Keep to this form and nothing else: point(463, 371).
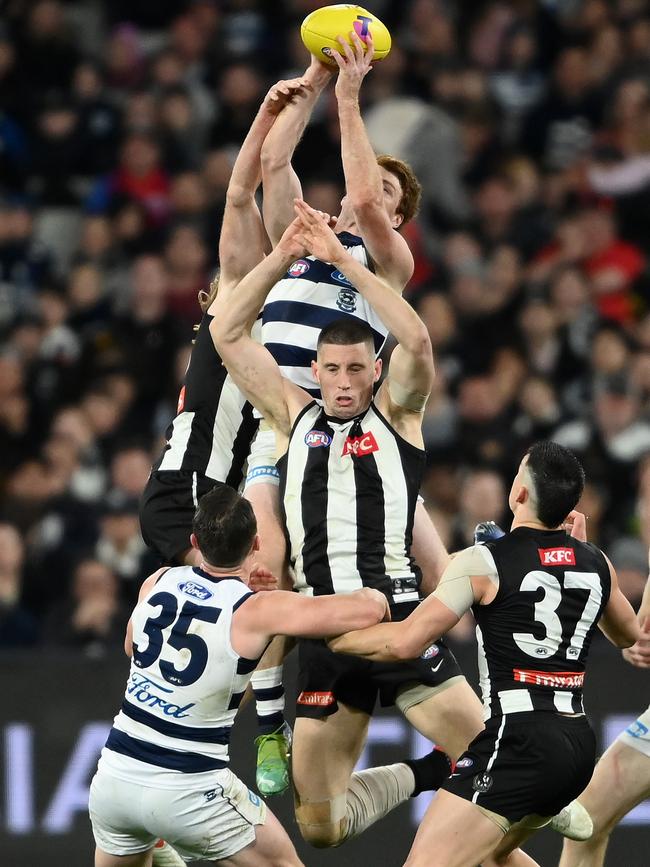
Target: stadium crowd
point(528, 124)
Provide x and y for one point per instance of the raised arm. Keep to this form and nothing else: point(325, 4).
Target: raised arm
point(241, 217)
point(366, 189)
point(280, 182)
point(411, 370)
point(251, 365)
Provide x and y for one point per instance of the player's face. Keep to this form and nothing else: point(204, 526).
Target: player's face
point(346, 375)
point(392, 193)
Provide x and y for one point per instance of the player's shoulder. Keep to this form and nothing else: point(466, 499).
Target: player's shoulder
point(473, 561)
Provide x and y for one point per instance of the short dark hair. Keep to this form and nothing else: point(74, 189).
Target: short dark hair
point(224, 525)
point(346, 332)
point(559, 481)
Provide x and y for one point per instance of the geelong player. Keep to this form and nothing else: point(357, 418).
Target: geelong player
point(210, 437)
point(537, 595)
point(382, 195)
point(622, 776)
point(195, 636)
point(349, 483)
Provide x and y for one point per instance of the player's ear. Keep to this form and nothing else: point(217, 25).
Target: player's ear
point(378, 367)
point(256, 543)
point(397, 220)
point(523, 494)
point(314, 370)
point(194, 542)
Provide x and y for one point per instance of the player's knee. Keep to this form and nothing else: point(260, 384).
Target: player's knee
point(323, 836)
point(323, 824)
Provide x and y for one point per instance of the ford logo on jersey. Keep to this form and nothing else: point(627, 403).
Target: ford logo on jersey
point(299, 268)
point(317, 439)
point(337, 275)
point(196, 591)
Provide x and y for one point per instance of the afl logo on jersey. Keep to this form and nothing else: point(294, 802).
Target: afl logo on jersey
point(196, 591)
point(347, 300)
point(317, 439)
point(430, 652)
point(299, 268)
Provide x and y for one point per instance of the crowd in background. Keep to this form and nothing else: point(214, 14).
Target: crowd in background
point(528, 124)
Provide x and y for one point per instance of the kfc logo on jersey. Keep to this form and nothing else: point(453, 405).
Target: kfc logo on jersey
point(359, 446)
point(557, 556)
point(317, 439)
point(299, 268)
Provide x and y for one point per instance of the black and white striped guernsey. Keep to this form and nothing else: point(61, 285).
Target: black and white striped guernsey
point(214, 427)
point(349, 490)
point(533, 639)
point(311, 295)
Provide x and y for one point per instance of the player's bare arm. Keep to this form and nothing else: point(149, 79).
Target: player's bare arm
point(366, 186)
point(639, 653)
point(268, 614)
point(618, 621)
point(404, 393)
point(145, 589)
point(461, 586)
point(241, 217)
point(281, 184)
point(250, 364)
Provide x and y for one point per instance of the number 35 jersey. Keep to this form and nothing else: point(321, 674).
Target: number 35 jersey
point(534, 637)
point(185, 683)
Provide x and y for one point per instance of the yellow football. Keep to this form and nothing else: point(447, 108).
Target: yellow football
point(320, 29)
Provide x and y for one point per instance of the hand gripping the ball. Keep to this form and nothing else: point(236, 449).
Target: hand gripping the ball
point(354, 63)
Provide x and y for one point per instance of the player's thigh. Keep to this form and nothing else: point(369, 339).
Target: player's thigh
point(442, 839)
point(620, 781)
point(271, 848)
point(325, 752)
point(451, 718)
point(141, 859)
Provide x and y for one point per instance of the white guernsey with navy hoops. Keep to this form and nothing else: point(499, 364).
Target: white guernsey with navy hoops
point(311, 295)
point(185, 683)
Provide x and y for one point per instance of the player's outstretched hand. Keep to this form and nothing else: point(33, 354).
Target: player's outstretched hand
point(262, 578)
point(292, 242)
point(284, 92)
point(576, 525)
point(316, 234)
point(639, 653)
point(354, 63)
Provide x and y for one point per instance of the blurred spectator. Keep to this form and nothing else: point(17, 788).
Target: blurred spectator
point(482, 498)
point(92, 619)
point(18, 627)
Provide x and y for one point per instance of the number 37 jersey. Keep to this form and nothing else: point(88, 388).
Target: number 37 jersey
point(185, 683)
point(534, 637)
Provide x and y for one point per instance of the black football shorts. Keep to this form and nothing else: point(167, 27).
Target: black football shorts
point(534, 762)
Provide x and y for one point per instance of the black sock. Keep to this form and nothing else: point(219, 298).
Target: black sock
point(430, 771)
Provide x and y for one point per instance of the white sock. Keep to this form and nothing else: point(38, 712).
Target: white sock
point(375, 792)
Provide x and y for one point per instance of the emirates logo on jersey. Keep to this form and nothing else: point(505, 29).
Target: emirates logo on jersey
point(359, 446)
point(299, 268)
point(316, 699)
point(557, 556)
point(552, 679)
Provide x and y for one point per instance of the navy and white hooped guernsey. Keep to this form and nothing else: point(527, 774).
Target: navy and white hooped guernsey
point(311, 295)
point(186, 682)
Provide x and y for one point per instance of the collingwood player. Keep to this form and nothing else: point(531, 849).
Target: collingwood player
point(195, 636)
point(349, 480)
point(537, 595)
